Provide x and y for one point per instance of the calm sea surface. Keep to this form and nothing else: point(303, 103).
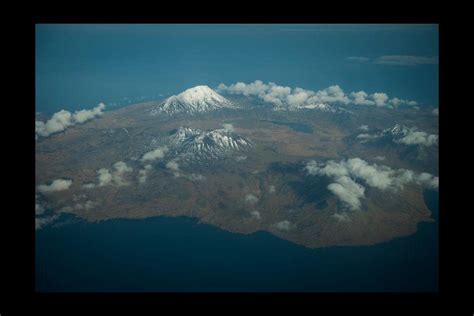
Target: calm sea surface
point(178, 254)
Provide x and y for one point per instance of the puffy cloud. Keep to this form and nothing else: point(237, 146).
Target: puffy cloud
point(255, 88)
point(366, 137)
point(361, 98)
point(106, 177)
point(380, 98)
point(39, 209)
point(61, 120)
point(118, 175)
point(364, 127)
point(403, 135)
point(298, 98)
point(195, 177)
point(143, 173)
point(348, 191)
point(157, 153)
point(58, 123)
point(341, 217)
point(87, 205)
point(173, 166)
point(89, 185)
point(419, 138)
point(332, 94)
point(55, 186)
point(228, 127)
point(271, 189)
point(397, 102)
point(251, 199)
point(283, 97)
point(86, 115)
point(256, 214)
point(283, 225)
point(345, 173)
point(40, 222)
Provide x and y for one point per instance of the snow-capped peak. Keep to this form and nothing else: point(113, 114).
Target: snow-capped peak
point(197, 144)
point(194, 100)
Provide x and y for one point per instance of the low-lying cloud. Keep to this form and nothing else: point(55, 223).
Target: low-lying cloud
point(115, 177)
point(350, 176)
point(284, 97)
point(419, 138)
point(143, 173)
point(283, 225)
point(251, 199)
point(154, 154)
point(403, 135)
point(40, 222)
point(63, 119)
point(55, 186)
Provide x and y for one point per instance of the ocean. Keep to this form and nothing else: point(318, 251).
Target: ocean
point(164, 254)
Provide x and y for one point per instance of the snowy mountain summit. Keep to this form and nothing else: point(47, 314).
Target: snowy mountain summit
point(198, 99)
point(195, 144)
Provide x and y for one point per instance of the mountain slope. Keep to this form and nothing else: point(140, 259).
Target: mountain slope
point(199, 145)
point(195, 100)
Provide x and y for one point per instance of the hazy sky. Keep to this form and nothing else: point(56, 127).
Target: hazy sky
point(77, 66)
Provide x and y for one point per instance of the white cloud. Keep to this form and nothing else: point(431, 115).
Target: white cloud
point(341, 217)
point(435, 111)
point(228, 127)
point(284, 97)
point(256, 214)
point(157, 153)
point(118, 175)
point(364, 127)
point(55, 186)
point(240, 158)
point(380, 98)
point(39, 209)
point(345, 173)
point(63, 119)
point(283, 225)
point(403, 135)
point(173, 166)
point(380, 158)
point(143, 173)
point(87, 205)
point(86, 115)
point(251, 199)
point(195, 177)
point(419, 138)
point(89, 185)
point(347, 191)
point(40, 222)
point(106, 177)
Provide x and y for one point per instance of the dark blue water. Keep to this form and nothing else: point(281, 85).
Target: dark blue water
point(178, 254)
